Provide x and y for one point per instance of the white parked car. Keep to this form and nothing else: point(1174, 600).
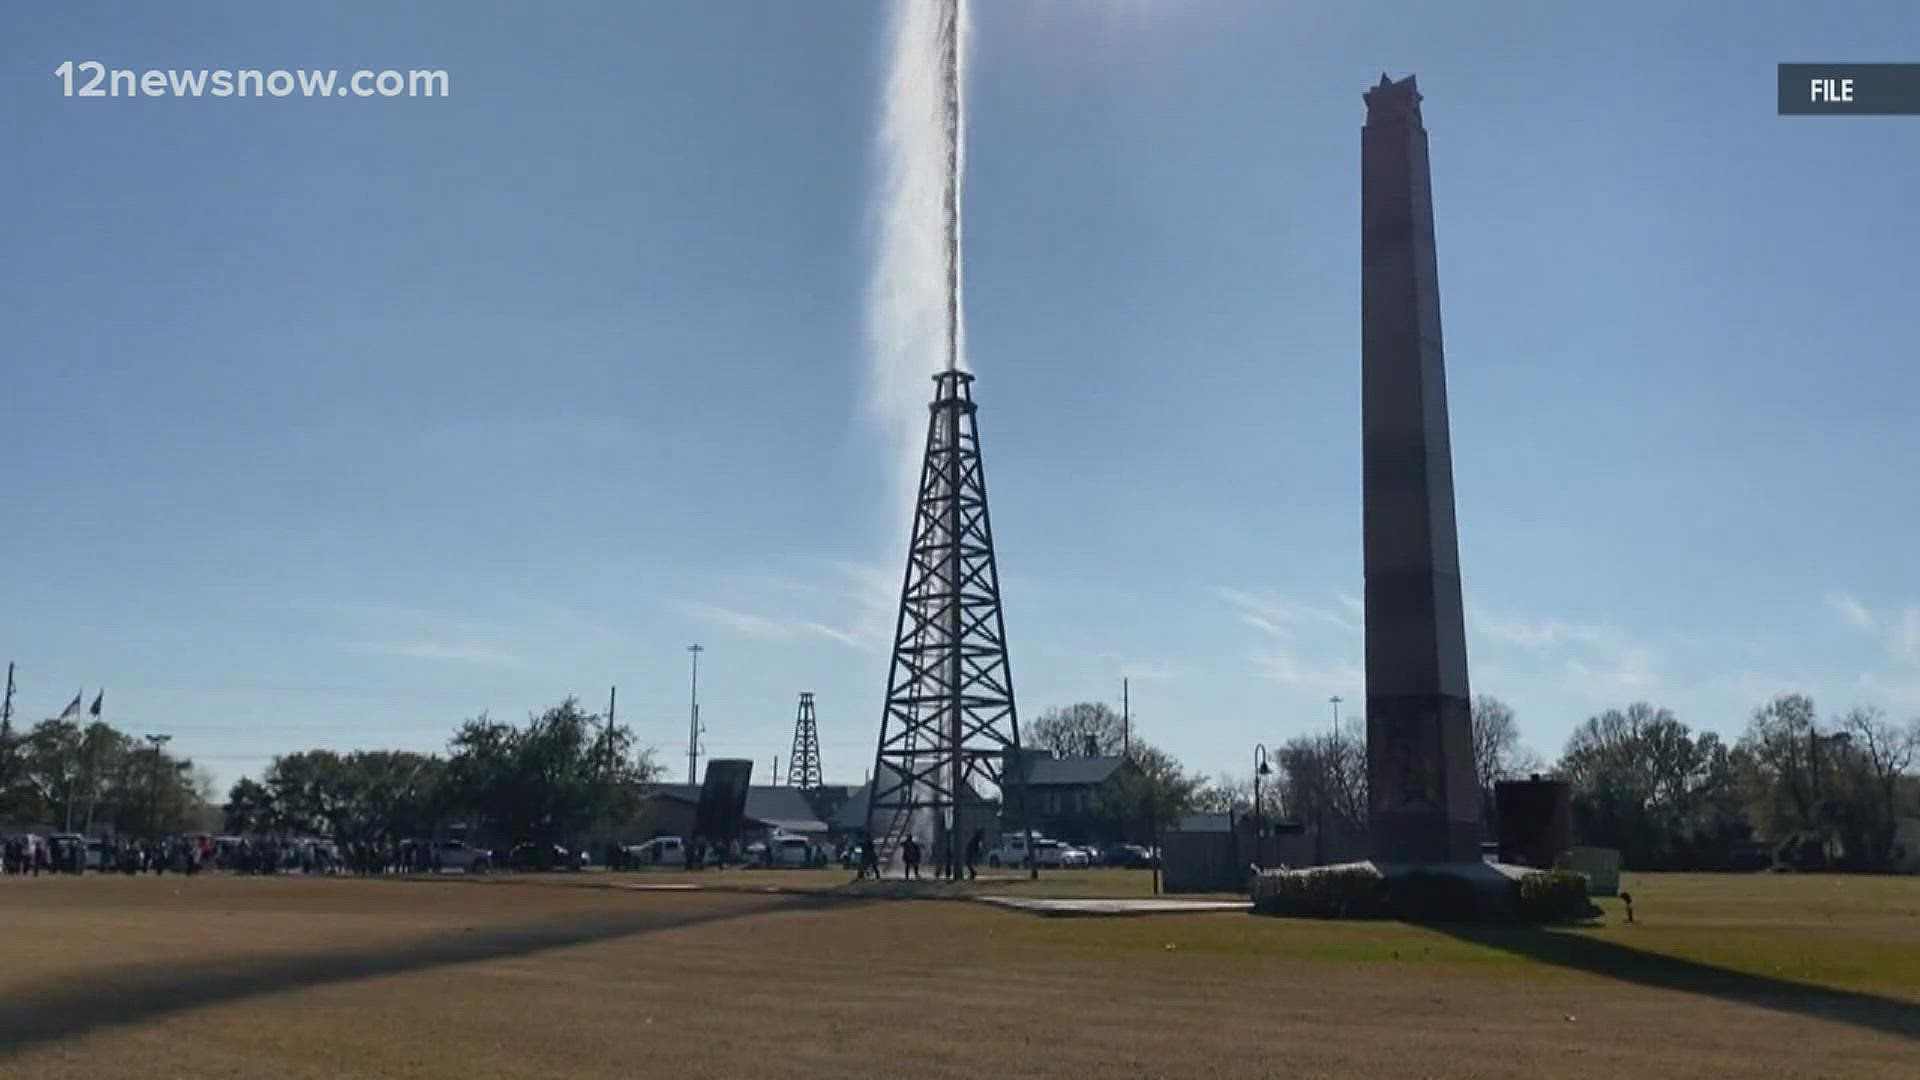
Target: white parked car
point(1076, 857)
point(1046, 853)
point(791, 851)
point(456, 855)
point(659, 851)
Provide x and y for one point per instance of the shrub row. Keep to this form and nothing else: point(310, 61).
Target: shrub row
point(1360, 892)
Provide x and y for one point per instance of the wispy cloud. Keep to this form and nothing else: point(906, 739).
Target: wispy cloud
point(1904, 638)
point(1319, 679)
point(1900, 693)
point(395, 630)
point(751, 624)
point(1141, 670)
point(465, 652)
point(1539, 634)
point(1279, 616)
point(1900, 629)
point(1851, 610)
point(1623, 672)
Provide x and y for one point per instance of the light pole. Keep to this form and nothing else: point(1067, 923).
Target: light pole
point(1814, 739)
point(693, 719)
point(157, 742)
point(1326, 787)
point(1260, 769)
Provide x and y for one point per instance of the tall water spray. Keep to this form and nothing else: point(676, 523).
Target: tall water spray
point(915, 317)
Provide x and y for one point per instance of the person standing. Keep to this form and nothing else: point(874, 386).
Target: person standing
point(910, 854)
point(974, 843)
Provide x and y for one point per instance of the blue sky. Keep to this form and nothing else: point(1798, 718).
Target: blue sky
point(335, 422)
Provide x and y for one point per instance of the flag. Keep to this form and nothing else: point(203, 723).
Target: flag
point(97, 699)
point(73, 708)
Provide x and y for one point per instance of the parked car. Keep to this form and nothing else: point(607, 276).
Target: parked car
point(1131, 856)
point(661, 850)
point(1075, 857)
point(544, 857)
point(67, 853)
point(456, 855)
point(795, 851)
point(1046, 853)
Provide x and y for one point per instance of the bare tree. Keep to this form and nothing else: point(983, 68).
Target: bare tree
point(1497, 753)
point(1885, 751)
point(1086, 729)
point(1231, 793)
point(1782, 740)
point(1326, 774)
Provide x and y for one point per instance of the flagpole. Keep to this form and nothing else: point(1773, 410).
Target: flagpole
point(93, 782)
point(79, 697)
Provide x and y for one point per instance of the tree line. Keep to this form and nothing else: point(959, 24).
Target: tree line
point(65, 775)
point(1793, 790)
point(563, 774)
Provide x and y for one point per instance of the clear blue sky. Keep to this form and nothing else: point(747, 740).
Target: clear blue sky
point(335, 422)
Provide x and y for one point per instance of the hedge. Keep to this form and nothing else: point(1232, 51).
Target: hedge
point(1360, 892)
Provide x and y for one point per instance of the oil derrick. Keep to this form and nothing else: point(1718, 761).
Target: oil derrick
point(950, 735)
point(803, 764)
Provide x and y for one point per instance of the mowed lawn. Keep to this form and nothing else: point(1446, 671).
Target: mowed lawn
point(568, 976)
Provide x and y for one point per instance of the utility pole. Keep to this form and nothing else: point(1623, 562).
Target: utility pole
point(6, 717)
point(6, 734)
point(693, 720)
point(613, 693)
point(1126, 720)
point(774, 778)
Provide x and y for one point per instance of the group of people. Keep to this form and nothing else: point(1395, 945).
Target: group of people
point(36, 855)
point(911, 856)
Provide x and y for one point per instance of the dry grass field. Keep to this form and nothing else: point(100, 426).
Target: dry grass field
point(566, 977)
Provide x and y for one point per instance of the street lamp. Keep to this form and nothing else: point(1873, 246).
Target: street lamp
point(157, 742)
point(1326, 787)
point(1260, 769)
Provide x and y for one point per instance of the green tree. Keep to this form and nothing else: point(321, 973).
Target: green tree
point(250, 808)
point(1152, 795)
point(366, 797)
point(564, 773)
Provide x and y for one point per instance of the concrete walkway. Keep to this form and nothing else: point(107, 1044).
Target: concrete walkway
point(1036, 905)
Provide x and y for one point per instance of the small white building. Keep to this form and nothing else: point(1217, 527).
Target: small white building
point(1905, 852)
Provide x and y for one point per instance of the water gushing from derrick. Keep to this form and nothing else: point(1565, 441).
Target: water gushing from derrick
point(916, 321)
point(949, 733)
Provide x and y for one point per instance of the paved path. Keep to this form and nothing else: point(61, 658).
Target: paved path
point(1109, 908)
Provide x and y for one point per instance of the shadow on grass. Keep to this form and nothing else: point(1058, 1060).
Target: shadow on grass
point(1613, 960)
point(62, 1008)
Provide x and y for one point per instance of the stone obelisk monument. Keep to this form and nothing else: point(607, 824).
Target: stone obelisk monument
point(1424, 799)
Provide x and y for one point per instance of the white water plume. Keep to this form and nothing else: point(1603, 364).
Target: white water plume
point(908, 297)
